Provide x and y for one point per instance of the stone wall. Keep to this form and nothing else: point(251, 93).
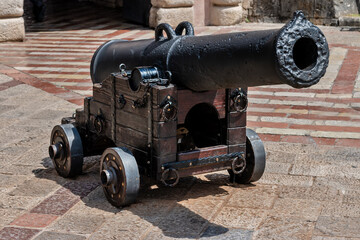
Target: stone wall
point(171, 11)
point(230, 12)
point(226, 12)
point(11, 21)
point(326, 12)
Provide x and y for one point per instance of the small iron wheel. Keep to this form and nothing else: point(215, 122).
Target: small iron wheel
point(255, 160)
point(66, 150)
point(119, 176)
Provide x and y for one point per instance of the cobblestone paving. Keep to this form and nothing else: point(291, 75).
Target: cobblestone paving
point(310, 189)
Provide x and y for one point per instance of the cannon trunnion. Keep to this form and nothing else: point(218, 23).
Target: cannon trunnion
point(176, 108)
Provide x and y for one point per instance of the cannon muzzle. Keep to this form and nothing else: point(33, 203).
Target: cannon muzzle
point(296, 54)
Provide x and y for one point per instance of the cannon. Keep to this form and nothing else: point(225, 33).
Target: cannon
point(175, 106)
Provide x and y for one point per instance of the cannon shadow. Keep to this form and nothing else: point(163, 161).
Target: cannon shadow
point(184, 211)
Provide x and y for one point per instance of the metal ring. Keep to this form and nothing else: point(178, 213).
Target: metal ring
point(167, 171)
point(168, 107)
point(238, 99)
point(235, 166)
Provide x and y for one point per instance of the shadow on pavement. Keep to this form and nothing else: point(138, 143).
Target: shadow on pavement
point(179, 212)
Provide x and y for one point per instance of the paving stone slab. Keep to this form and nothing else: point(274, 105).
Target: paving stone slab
point(257, 197)
point(287, 180)
point(209, 190)
point(332, 238)
point(95, 203)
point(5, 108)
point(78, 223)
point(352, 196)
point(338, 226)
point(9, 215)
point(204, 208)
point(247, 218)
point(56, 204)
point(301, 208)
point(18, 202)
point(4, 78)
point(79, 188)
point(280, 157)
point(284, 228)
point(9, 181)
point(152, 211)
point(160, 235)
point(34, 220)
point(278, 167)
point(123, 225)
point(17, 233)
point(341, 210)
point(35, 187)
point(317, 193)
point(184, 222)
point(221, 233)
point(58, 236)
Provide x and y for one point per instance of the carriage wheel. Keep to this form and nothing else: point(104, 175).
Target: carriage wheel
point(119, 175)
point(66, 150)
point(255, 160)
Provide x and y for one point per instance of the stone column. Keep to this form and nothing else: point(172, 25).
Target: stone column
point(225, 12)
point(11, 22)
point(171, 11)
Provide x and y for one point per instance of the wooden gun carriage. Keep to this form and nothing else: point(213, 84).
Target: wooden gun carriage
point(176, 106)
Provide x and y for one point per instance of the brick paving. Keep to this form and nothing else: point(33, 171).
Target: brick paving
point(310, 189)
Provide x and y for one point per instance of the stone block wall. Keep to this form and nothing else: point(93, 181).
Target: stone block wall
point(171, 11)
point(326, 12)
point(226, 12)
point(11, 21)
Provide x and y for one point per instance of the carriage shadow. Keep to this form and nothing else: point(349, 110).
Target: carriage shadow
point(184, 211)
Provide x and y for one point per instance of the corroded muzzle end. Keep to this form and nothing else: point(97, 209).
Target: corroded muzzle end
point(302, 52)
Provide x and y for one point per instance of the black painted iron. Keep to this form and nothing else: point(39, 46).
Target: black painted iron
point(296, 54)
point(176, 106)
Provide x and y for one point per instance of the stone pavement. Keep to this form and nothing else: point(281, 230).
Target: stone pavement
point(310, 189)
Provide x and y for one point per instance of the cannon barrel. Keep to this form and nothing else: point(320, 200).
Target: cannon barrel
point(297, 55)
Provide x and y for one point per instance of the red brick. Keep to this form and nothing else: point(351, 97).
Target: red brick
point(348, 142)
point(81, 189)
point(57, 204)
point(344, 82)
point(269, 137)
point(84, 88)
point(53, 89)
point(337, 89)
point(325, 141)
point(78, 80)
point(34, 220)
point(79, 102)
point(118, 32)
